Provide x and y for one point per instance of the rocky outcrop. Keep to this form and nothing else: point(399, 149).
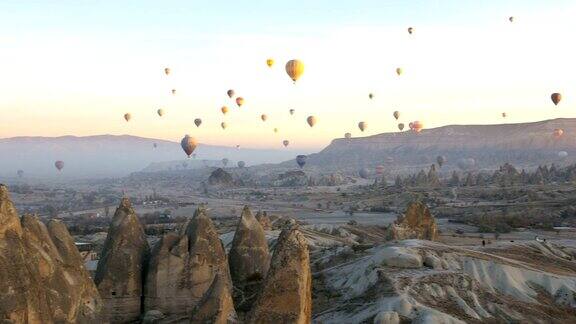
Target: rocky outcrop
point(42, 277)
point(121, 270)
point(416, 223)
point(183, 267)
point(249, 260)
point(219, 177)
point(286, 296)
point(295, 178)
point(216, 307)
point(264, 220)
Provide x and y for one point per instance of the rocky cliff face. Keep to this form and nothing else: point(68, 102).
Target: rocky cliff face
point(286, 296)
point(121, 269)
point(249, 260)
point(264, 220)
point(184, 266)
point(416, 223)
point(42, 277)
point(523, 144)
point(216, 306)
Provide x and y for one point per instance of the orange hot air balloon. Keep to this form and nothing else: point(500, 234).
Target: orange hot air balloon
point(224, 110)
point(396, 114)
point(270, 62)
point(294, 69)
point(285, 143)
point(558, 132)
point(264, 117)
point(239, 101)
point(230, 93)
point(59, 165)
point(417, 126)
point(556, 97)
point(127, 116)
point(410, 30)
point(188, 144)
point(311, 120)
point(401, 126)
point(362, 125)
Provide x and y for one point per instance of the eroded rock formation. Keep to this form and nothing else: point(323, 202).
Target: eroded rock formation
point(183, 267)
point(42, 277)
point(416, 223)
point(216, 307)
point(264, 220)
point(121, 270)
point(286, 296)
point(249, 260)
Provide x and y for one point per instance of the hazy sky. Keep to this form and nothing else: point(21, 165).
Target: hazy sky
point(75, 67)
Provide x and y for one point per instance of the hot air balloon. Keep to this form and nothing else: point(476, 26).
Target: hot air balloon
point(239, 101)
point(59, 165)
point(562, 154)
point(224, 110)
point(285, 143)
point(167, 71)
point(241, 164)
point(411, 125)
point(155, 145)
point(311, 120)
point(225, 161)
point(379, 169)
point(440, 159)
point(399, 71)
point(188, 144)
point(396, 114)
point(363, 173)
point(417, 126)
point(295, 69)
point(275, 130)
point(237, 146)
point(20, 173)
point(466, 163)
point(291, 111)
point(362, 125)
point(370, 95)
point(558, 132)
point(173, 91)
point(348, 136)
point(197, 122)
point(269, 62)
point(264, 117)
point(223, 125)
point(504, 115)
point(556, 97)
point(127, 116)
point(401, 126)
point(410, 30)
point(160, 112)
point(511, 19)
point(230, 93)
point(301, 160)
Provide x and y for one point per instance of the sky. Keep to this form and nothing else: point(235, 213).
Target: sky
point(76, 67)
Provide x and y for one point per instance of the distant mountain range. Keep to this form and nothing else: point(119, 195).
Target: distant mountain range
point(114, 156)
point(524, 144)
